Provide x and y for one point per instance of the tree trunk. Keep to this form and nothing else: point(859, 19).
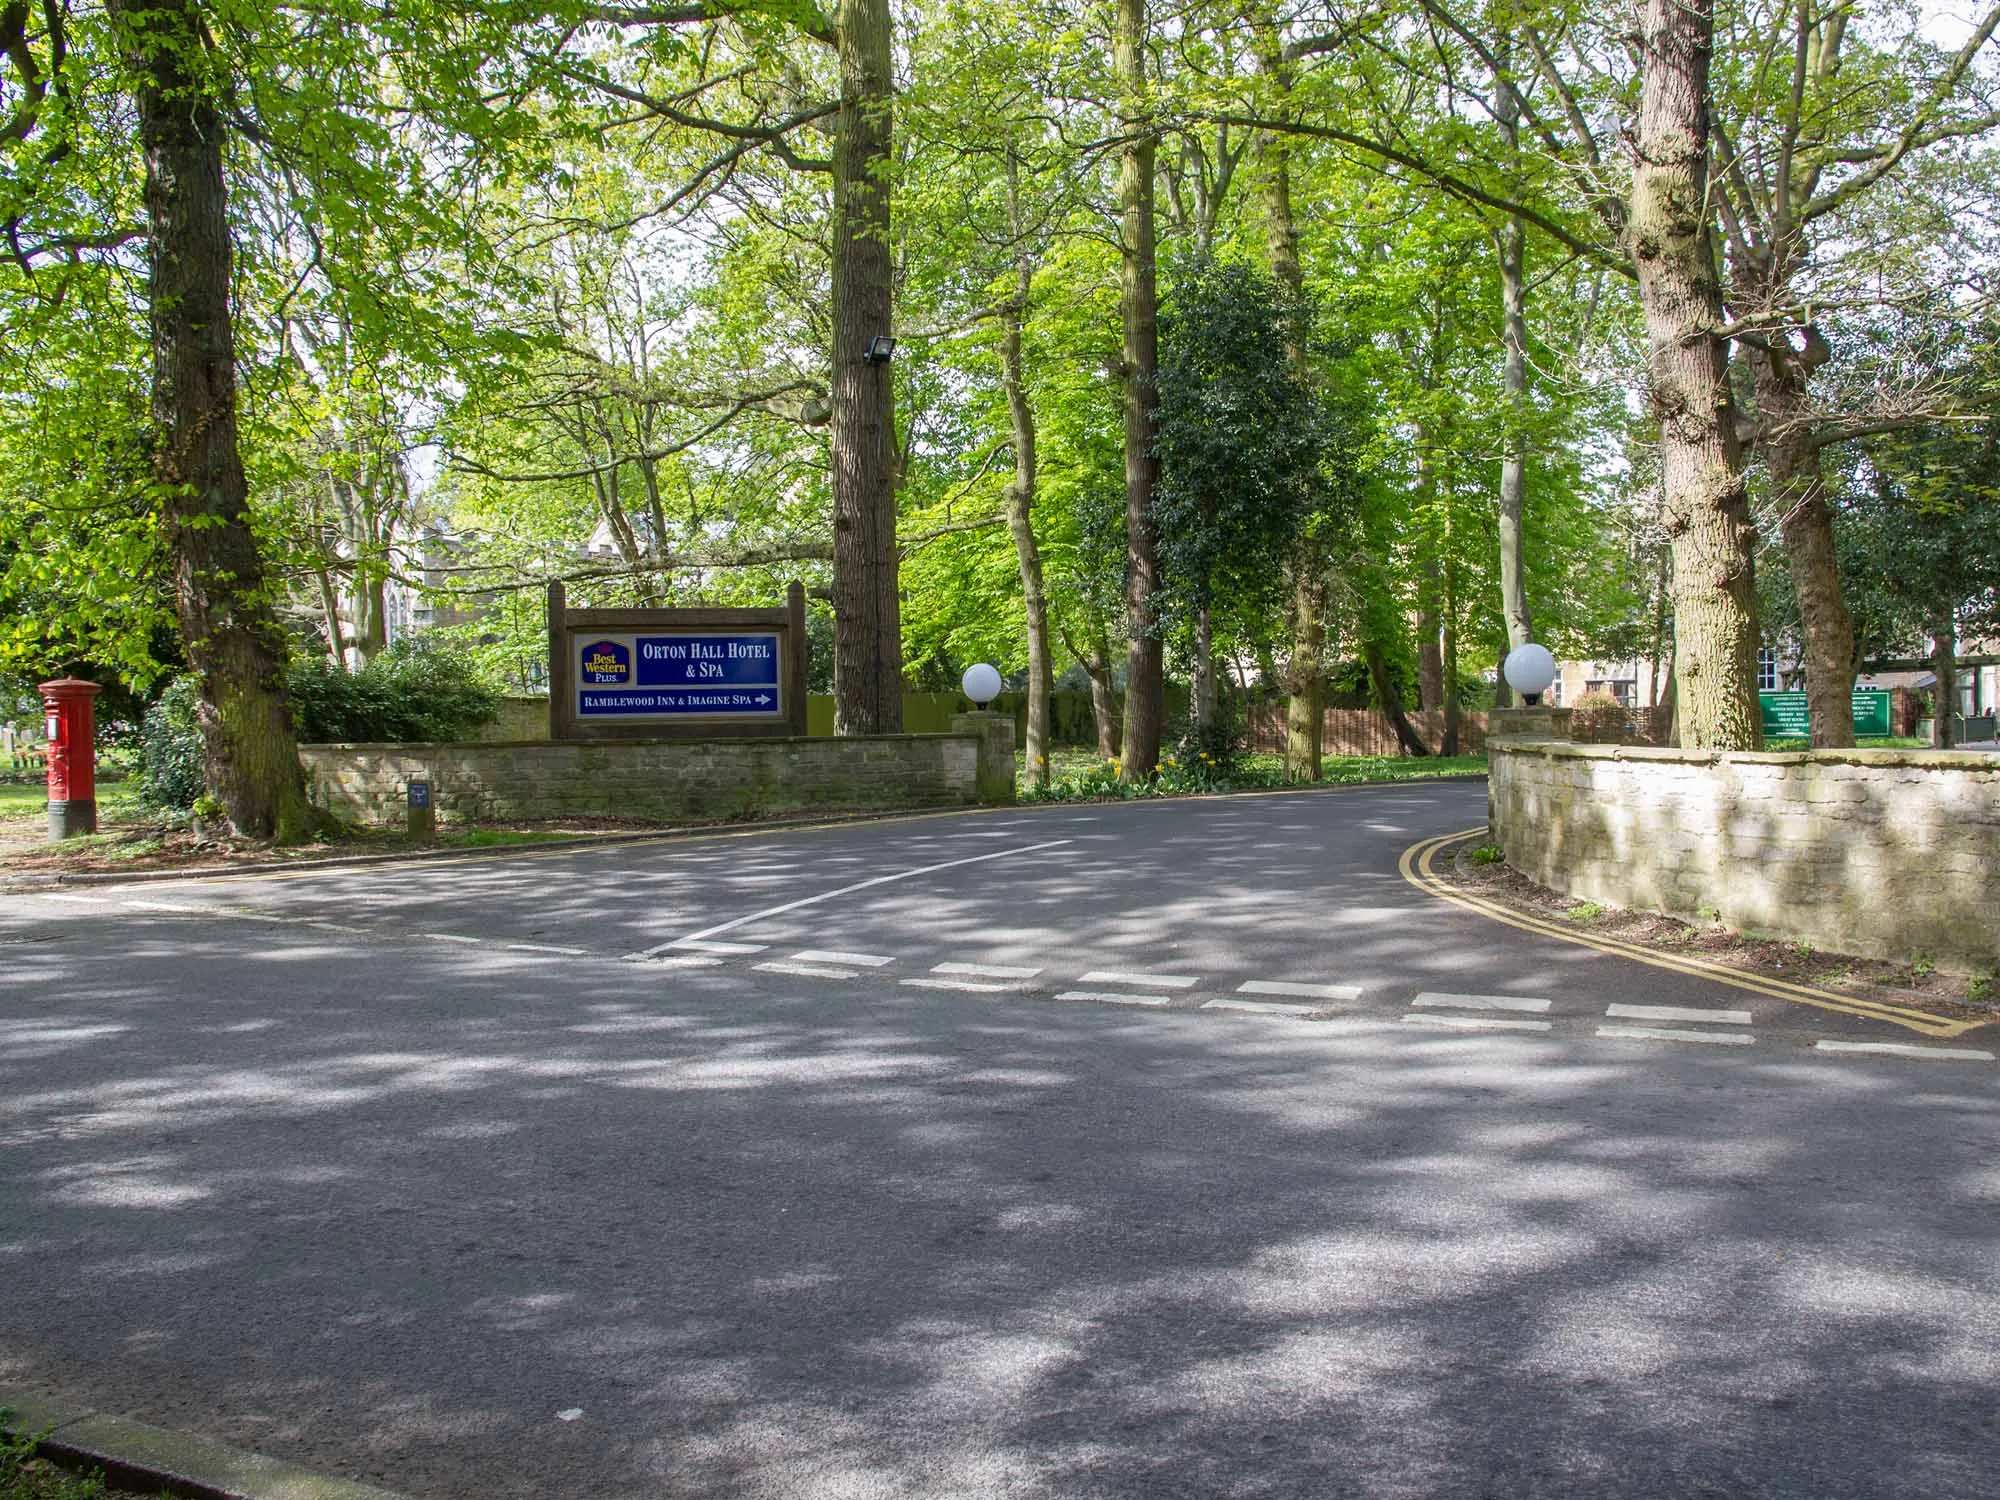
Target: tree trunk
point(1944, 667)
point(1430, 644)
point(1021, 504)
point(1512, 245)
point(1103, 701)
point(1305, 700)
point(1145, 682)
point(868, 638)
point(1201, 686)
point(1451, 705)
point(221, 600)
point(1657, 652)
point(1798, 491)
point(1707, 511)
point(1389, 700)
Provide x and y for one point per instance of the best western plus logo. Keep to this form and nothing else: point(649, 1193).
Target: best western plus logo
point(606, 663)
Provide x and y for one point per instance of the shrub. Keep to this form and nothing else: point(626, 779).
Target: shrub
point(1597, 716)
point(170, 770)
point(409, 692)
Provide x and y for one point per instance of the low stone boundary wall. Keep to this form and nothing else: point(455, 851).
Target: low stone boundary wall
point(1877, 853)
point(667, 781)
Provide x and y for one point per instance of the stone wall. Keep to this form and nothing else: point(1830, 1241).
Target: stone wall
point(1877, 853)
point(668, 781)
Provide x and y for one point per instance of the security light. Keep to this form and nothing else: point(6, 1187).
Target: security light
point(880, 349)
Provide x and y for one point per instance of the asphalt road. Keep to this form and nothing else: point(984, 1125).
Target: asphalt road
point(649, 1171)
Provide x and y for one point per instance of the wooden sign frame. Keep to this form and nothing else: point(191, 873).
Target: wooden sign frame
point(568, 628)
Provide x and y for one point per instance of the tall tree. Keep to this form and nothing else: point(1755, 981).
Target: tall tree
point(221, 597)
point(1145, 681)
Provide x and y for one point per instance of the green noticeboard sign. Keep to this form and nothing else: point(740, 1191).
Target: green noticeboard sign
point(1785, 714)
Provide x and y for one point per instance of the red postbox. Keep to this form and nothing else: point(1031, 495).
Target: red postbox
point(72, 756)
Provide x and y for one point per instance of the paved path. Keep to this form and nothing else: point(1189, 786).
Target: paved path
point(1152, 1150)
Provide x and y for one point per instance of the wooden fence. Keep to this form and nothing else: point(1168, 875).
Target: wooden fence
point(1367, 731)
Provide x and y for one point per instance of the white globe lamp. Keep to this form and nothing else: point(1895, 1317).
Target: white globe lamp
point(1529, 670)
point(981, 683)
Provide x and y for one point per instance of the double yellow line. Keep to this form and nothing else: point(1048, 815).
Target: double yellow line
point(1417, 867)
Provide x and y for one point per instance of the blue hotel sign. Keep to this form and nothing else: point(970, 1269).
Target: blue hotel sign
point(676, 673)
point(705, 674)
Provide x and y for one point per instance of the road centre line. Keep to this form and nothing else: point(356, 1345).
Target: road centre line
point(1154, 981)
point(180, 908)
point(1478, 1023)
point(986, 971)
point(78, 900)
point(1908, 1049)
point(1302, 991)
point(685, 961)
point(548, 948)
point(1674, 1034)
point(437, 937)
point(1483, 1002)
point(1677, 1013)
point(727, 950)
point(834, 956)
point(845, 890)
point(1107, 997)
point(969, 986)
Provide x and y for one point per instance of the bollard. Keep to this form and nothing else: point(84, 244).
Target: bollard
point(423, 816)
point(72, 756)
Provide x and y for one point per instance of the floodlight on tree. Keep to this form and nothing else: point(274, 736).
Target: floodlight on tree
point(881, 349)
point(1529, 670)
point(981, 683)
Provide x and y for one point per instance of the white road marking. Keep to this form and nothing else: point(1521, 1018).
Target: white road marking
point(1478, 1023)
point(985, 971)
point(685, 961)
point(180, 907)
point(445, 937)
point(79, 900)
point(1260, 1007)
point(1483, 1002)
point(845, 890)
point(1108, 998)
point(1152, 981)
point(811, 971)
point(346, 931)
point(729, 950)
point(834, 956)
point(970, 986)
point(1909, 1049)
point(1303, 991)
point(548, 948)
point(1673, 1034)
point(1677, 1013)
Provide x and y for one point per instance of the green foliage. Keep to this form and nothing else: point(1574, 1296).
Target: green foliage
point(1488, 854)
point(170, 755)
point(25, 1477)
point(408, 693)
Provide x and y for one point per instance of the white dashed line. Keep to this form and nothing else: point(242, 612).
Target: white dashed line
point(1260, 1007)
point(179, 908)
point(1674, 1034)
point(727, 950)
point(683, 961)
point(969, 986)
point(1909, 1049)
point(1302, 991)
point(834, 956)
point(1677, 1013)
point(438, 937)
point(548, 948)
point(1145, 981)
point(1483, 1002)
point(1478, 1023)
point(1108, 998)
point(79, 900)
point(809, 971)
point(985, 971)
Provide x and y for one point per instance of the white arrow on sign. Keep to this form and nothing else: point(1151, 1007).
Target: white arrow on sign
point(762, 699)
